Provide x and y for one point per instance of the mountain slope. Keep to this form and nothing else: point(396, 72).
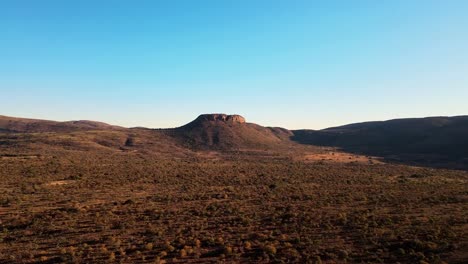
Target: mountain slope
point(207, 132)
point(24, 125)
point(21, 135)
point(432, 139)
point(220, 131)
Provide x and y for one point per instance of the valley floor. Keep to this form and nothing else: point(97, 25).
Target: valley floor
point(241, 207)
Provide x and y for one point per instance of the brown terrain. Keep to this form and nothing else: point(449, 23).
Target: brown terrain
point(220, 189)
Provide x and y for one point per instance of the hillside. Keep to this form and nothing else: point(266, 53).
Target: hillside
point(430, 140)
point(24, 125)
point(218, 132)
point(225, 132)
point(21, 136)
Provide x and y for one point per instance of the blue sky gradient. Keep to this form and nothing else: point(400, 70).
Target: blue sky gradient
point(295, 64)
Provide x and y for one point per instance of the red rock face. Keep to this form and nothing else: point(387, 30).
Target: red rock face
point(235, 119)
point(222, 117)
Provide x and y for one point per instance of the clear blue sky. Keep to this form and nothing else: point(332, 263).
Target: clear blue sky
point(295, 64)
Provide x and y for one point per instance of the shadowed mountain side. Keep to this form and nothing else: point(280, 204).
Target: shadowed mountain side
point(225, 132)
point(432, 141)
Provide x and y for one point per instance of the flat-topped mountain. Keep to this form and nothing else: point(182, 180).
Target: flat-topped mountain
point(221, 131)
point(221, 118)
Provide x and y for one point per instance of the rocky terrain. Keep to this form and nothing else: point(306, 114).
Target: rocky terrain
point(221, 117)
point(220, 189)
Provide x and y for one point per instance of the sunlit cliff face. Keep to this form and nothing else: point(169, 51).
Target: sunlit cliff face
point(222, 117)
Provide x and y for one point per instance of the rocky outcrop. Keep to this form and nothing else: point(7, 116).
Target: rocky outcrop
point(222, 117)
point(229, 132)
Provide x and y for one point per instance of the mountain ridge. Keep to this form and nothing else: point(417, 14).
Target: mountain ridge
point(431, 141)
point(8, 118)
point(29, 125)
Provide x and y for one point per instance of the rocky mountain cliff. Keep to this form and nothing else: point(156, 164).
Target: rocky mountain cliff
point(221, 117)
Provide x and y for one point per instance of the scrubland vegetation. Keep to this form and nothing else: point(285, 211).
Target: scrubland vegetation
point(210, 192)
point(127, 207)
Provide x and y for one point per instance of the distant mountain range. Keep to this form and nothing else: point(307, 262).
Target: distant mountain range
point(431, 141)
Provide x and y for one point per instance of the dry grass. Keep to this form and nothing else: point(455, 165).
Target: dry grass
point(340, 157)
point(252, 206)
